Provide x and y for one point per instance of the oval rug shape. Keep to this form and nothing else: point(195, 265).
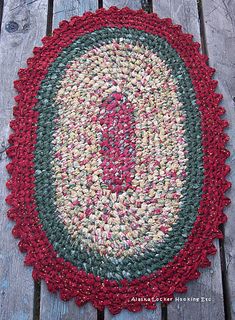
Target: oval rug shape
point(118, 160)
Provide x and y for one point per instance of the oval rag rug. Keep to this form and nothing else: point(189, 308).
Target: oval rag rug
point(118, 160)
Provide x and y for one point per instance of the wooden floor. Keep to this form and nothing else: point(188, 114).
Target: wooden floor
point(24, 23)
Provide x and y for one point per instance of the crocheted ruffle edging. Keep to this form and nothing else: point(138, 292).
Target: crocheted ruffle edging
point(61, 275)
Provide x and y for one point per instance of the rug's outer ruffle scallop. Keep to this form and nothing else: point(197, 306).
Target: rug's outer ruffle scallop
point(62, 275)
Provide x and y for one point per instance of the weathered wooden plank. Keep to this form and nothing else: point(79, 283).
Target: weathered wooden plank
point(204, 297)
point(145, 314)
point(133, 4)
point(185, 12)
point(23, 25)
point(64, 10)
point(219, 18)
point(51, 306)
point(182, 12)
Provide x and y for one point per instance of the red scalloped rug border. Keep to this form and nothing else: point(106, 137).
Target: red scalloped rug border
point(63, 276)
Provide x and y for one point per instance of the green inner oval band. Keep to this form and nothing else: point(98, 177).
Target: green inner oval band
point(109, 267)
